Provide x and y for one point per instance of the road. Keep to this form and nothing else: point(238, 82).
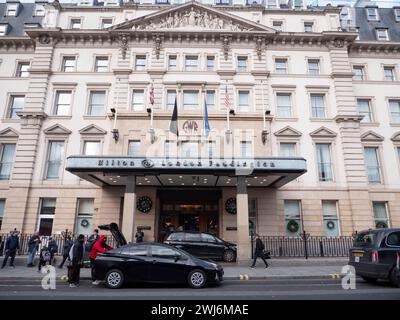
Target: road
point(303, 288)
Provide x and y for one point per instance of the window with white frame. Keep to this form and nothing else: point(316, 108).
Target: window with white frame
point(272, 3)
point(293, 223)
point(16, 105)
point(389, 73)
point(7, 151)
point(62, 104)
point(171, 96)
point(308, 27)
point(138, 100)
point(243, 101)
point(39, 10)
point(92, 148)
point(189, 149)
point(140, 63)
point(281, 66)
point(284, 105)
point(313, 66)
point(359, 73)
point(287, 149)
point(172, 63)
point(191, 63)
point(22, 69)
point(84, 218)
point(394, 106)
point(277, 25)
point(134, 148)
point(54, 159)
point(190, 100)
point(245, 149)
point(47, 210)
point(242, 64)
point(97, 100)
point(210, 63)
point(324, 160)
point(365, 110)
point(210, 99)
point(397, 14)
point(3, 29)
point(318, 106)
point(68, 64)
point(298, 4)
point(380, 214)
point(106, 23)
point(372, 14)
point(382, 35)
point(2, 207)
point(76, 23)
point(101, 64)
point(330, 217)
point(373, 165)
point(12, 9)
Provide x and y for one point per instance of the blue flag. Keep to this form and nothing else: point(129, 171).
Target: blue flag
point(206, 123)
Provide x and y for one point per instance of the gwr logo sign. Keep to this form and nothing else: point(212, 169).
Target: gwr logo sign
point(190, 126)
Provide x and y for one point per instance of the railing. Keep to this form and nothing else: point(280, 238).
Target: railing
point(282, 246)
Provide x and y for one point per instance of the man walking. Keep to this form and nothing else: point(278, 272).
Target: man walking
point(76, 257)
point(67, 247)
point(53, 248)
point(11, 247)
point(33, 246)
point(259, 252)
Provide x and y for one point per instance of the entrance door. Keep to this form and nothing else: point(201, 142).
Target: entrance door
point(189, 222)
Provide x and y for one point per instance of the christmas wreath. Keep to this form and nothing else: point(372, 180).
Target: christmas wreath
point(144, 204)
point(230, 205)
point(330, 225)
point(84, 223)
point(293, 226)
point(381, 224)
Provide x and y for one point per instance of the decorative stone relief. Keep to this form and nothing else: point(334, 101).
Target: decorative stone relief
point(225, 45)
point(123, 44)
point(157, 44)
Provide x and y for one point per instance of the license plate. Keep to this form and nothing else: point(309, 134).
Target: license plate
point(358, 254)
point(356, 259)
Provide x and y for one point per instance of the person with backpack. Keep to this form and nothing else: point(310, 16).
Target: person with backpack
point(53, 248)
point(99, 247)
point(67, 247)
point(44, 257)
point(76, 261)
point(11, 247)
point(259, 252)
point(33, 246)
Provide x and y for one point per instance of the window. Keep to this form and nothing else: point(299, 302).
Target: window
point(101, 64)
point(389, 73)
point(12, 9)
point(208, 238)
point(318, 106)
point(372, 14)
point(92, 148)
point(22, 69)
point(380, 214)
point(287, 149)
point(16, 105)
point(298, 4)
point(398, 153)
point(243, 103)
point(163, 252)
point(308, 26)
point(46, 215)
point(245, 149)
point(7, 152)
point(292, 217)
point(68, 64)
point(3, 29)
point(195, 237)
point(190, 149)
point(172, 63)
point(364, 109)
point(313, 66)
point(191, 63)
point(281, 66)
point(140, 63)
point(212, 149)
point(76, 23)
point(54, 159)
point(97, 103)
point(331, 220)
point(345, 13)
point(252, 216)
point(171, 96)
point(392, 239)
point(283, 105)
point(397, 14)
point(210, 63)
point(359, 73)
point(210, 99)
point(324, 161)
point(272, 4)
point(394, 106)
point(277, 25)
point(372, 163)
point(137, 251)
point(138, 100)
point(106, 23)
point(2, 206)
point(85, 216)
point(382, 35)
point(39, 10)
point(242, 64)
point(63, 103)
point(190, 100)
point(134, 148)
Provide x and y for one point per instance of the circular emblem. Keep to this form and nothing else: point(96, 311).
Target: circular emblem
point(84, 223)
point(293, 226)
point(230, 205)
point(144, 204)
point(147, 163)
point(381, 225)
point(330, 225)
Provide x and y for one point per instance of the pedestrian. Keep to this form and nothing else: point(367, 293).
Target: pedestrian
point(139, 235)
point(53, 248)
point(76, 259)
point(11, 247)
point(99, 247)
point(44, 257)
point(67, 247)
point(33, 246)
point(92, 240)
point(259, 252)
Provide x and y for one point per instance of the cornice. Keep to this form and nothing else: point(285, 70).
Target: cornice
point(348, 118)
point(374, 47)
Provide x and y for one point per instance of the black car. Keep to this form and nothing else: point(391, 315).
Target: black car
point(375, 255)
point(204, 245)
point(154, 262)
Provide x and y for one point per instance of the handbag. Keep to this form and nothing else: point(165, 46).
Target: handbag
point(266, 254)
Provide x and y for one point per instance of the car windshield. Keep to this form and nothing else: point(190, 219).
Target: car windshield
point(365, 239)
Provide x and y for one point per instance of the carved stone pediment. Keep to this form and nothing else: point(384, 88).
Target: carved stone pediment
point(288, 132)
point(323, 132)
point(192, 16)
point(92, 129)
point(57, 129)
point(371, 136)
point(9, 133)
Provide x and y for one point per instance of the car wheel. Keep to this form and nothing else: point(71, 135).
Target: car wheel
point(114, 279)
point(197, 279)
point(368, 279)
point(395, 277)
point(229, 256)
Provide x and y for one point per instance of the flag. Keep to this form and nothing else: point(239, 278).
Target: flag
point(173, 126)
point(227, 102)
point(152, 94)
point(206, 123)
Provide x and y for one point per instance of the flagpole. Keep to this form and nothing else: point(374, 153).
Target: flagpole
point(227, 107)
point(263, 105)
point(152, 105)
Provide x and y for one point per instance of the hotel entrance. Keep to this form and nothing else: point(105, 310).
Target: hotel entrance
point(188, 210)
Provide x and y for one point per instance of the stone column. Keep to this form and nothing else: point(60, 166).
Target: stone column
point(128, 215)
point(242, 215)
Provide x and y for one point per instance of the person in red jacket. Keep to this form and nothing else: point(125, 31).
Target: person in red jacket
point(99, 247)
